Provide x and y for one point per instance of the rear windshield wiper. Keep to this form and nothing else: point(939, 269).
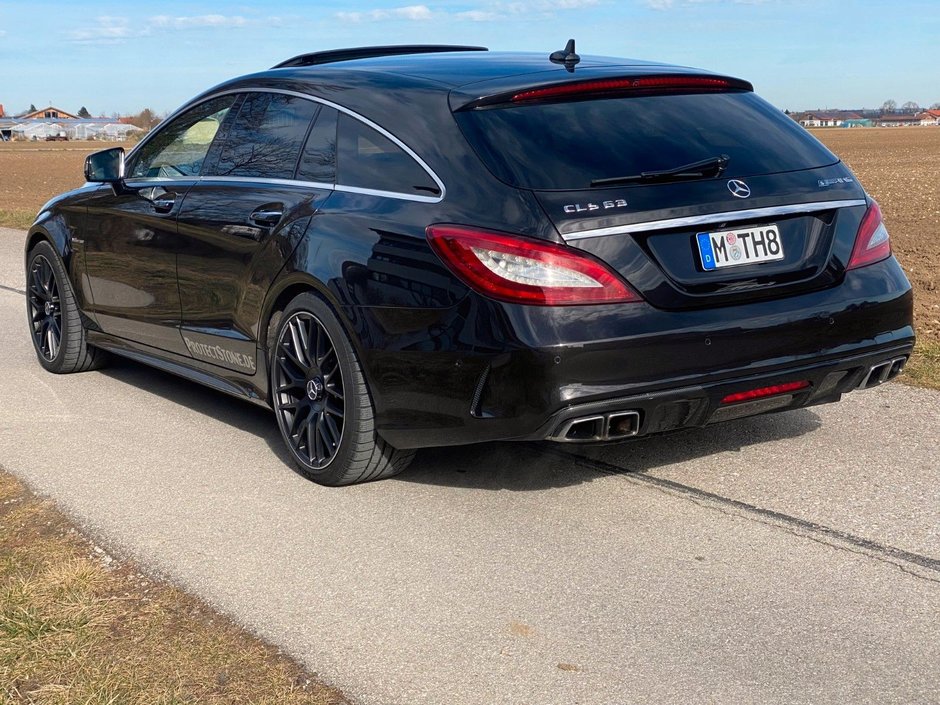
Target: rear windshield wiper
point(713, 166)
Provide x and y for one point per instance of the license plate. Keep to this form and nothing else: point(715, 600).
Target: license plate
point(731, 248)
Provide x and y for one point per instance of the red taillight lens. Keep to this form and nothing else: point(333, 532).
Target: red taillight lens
point(765, 392)
point(642, 83)
point(872, 243)
point(526, 271)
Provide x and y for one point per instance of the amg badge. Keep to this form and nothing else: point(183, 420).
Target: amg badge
point(589, 207)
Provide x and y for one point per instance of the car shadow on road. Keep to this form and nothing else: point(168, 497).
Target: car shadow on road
point(535, 466)
point(237, 413)
point(492, 466)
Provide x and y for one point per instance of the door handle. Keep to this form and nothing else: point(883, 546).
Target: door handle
point(267, 216)
point(164, 202)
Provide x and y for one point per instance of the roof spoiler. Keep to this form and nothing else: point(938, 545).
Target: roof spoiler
point(608, 87)
point(335, 55)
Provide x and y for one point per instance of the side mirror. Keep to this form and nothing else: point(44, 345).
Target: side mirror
point(106, 166)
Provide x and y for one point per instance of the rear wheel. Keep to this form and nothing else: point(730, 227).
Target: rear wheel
point(322, 401)
point(55, 324)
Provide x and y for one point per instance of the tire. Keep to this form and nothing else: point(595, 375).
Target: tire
point(322, 402)
point(55, 323)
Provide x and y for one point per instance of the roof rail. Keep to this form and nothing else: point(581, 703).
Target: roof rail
point(329, 57)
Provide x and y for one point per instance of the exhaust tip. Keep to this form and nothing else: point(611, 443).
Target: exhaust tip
point(601, 427)
point(882, 372)
point(622, 424)
point(585, 428)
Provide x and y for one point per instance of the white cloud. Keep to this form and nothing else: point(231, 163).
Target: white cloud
point(478, 15)
point(108, 30)
point(410, 12)
point(488, 12)
point(116, 30)
point(669, 4)
point(196, 21)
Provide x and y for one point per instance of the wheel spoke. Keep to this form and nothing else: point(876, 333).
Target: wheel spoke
point(48, 276)
point(333, 429)
point(314, 451)
point(53, 343)
point(295, 377)
point(38, 292)
point(324, 433)
point(296, 425)
point(298, 349)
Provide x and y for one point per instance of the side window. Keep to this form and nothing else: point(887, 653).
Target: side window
point(368, 159)
point(266, 137)
point(179, 149)
point(318, 161)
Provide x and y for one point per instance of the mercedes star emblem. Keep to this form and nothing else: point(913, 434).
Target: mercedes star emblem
point(739, 188)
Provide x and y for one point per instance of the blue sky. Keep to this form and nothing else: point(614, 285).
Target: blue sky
point(800, 54)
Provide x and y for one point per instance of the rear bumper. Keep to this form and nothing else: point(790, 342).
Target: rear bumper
point(484, 371)
point(688, 407)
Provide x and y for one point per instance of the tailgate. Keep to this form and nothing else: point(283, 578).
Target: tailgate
point(651, 234)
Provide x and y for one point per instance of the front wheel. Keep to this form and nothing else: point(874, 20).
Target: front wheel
point(55, 323)
point(322, 401)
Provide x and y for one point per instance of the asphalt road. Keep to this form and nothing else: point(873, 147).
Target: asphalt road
point(782, 559)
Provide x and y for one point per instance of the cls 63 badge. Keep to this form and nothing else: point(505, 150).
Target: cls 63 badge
point(588, 207)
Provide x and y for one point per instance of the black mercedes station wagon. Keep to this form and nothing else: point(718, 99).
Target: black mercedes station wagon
point(410, 246)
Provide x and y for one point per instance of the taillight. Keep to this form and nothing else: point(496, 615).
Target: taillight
point(665, 84)
point(526, 271)
point(872, 243)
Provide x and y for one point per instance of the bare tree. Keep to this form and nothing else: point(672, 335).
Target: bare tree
point(145, 119)
point(888, 106)
point(935, 106)
point(910, 107)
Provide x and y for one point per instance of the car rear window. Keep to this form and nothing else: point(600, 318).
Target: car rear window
point(566, 145)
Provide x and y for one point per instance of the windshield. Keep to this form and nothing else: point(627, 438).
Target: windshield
point(567, 145)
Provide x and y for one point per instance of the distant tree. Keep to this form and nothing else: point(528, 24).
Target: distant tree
point(935, 106)
point(786, 112)
point(145, 119)
point(888, 106)
point(910, 107)
point(32, 108)
point(83, 112)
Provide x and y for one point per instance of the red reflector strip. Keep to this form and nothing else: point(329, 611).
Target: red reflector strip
point(764, 392)
point(626, 84)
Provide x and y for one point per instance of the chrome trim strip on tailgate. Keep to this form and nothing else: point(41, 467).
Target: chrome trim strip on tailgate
point(712, 217)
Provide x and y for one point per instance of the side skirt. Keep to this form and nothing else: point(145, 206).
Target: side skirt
point(251, 389)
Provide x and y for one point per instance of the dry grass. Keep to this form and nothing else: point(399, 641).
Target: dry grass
point(77, 627)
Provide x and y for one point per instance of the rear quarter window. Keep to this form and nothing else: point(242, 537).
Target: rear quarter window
point(368, 159)
point(566, 145)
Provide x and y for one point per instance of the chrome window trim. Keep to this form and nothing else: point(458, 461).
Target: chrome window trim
point(335, 187)
point(725, 216)
point(263, 180)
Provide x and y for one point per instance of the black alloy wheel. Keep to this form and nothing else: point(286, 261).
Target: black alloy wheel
point(322, 401)
point(45, 308)
point(309, 395)
point(55, 321)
